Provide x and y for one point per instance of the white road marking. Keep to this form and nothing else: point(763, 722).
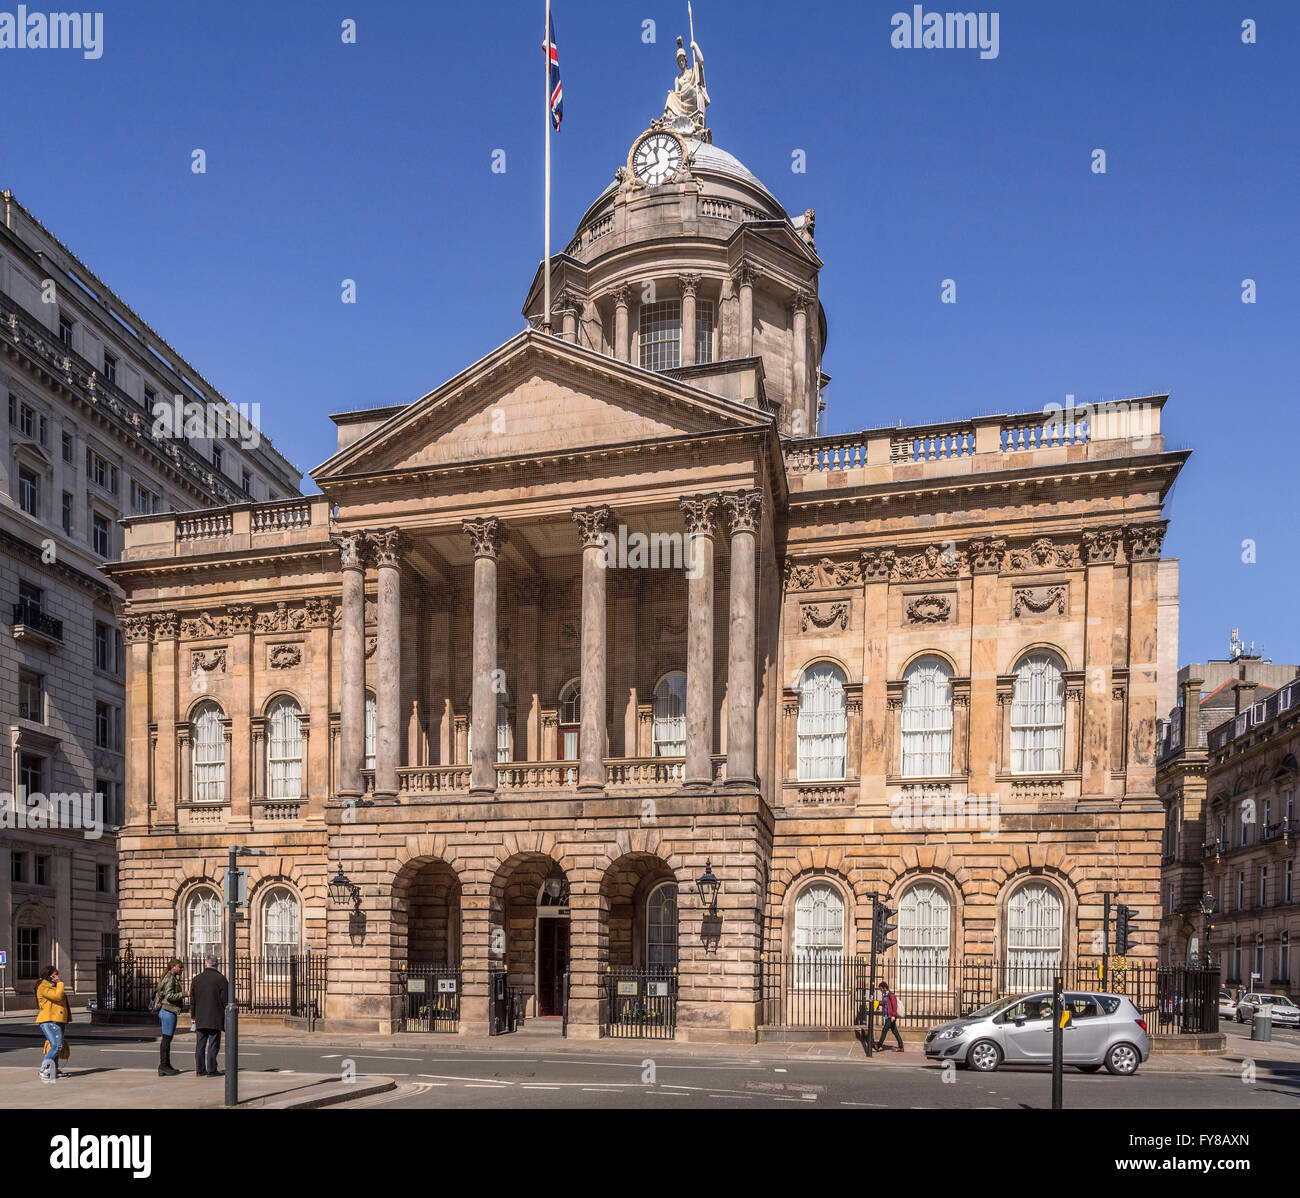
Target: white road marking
point(452, 1078)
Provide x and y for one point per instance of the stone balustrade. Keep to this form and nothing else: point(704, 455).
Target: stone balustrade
point(238, 526)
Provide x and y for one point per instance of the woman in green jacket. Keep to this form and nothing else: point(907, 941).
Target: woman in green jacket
point(171, 1002)
point(52, 1013)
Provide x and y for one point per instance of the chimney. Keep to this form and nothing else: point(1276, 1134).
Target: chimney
point(1244, 695)
point(1191, 713)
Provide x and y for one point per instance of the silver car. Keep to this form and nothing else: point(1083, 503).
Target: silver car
point(1104, 1029)
point(1285, 1012)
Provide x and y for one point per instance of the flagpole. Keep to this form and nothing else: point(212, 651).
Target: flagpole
point(546, 107)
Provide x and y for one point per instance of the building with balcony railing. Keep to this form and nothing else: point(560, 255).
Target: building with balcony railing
point(85, 380)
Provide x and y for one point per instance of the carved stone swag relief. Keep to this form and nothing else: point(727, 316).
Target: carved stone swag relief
point(1038, 601)
point(823, 615)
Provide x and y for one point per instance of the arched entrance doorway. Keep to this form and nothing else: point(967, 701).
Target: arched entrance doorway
point(530, 905)
point(552, 942)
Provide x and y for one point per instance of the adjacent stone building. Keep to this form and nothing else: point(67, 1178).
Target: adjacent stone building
point(599, 617)
point(82, 446)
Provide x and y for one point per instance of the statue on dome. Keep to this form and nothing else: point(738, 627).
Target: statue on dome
point(687, 103)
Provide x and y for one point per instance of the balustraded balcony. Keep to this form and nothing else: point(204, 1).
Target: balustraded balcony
point(623, 775)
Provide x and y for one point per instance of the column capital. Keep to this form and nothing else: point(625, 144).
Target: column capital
point(744, 273)
point(593, 523)
point(1142, 542)
point(1100, 545)
point(240, 616)
point(386, 546)
point(743, 510)
point(166, 625)
point(688, 283)
point(568, 299)
point(986, 555)
point(621, 293)
point(801, 299)
point(136, 628)
point(877, 565)
point(701, 512)
point(352, 550)
point(487, 534)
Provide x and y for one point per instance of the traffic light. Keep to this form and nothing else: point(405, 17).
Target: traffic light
point(882, 925)
point(1125, 932)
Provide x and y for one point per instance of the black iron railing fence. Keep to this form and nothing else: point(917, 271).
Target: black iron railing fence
point(273, 985)
point(430, 997)
point(831, 991)
point(641, 1003)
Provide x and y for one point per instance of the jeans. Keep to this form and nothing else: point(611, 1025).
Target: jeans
point(207, 1043)
point(890, 1025)
point(168, 1021)
point(54, 1034)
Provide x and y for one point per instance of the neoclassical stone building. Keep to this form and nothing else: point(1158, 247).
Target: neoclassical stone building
point(600, 612)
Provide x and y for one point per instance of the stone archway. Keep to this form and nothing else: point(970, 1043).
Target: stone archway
point(639, 906)
point(426, 926)
point(529, 911)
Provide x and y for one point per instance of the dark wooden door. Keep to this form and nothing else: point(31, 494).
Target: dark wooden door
point(552, 962)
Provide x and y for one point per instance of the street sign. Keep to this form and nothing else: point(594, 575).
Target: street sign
point(627, 989)
point(241, 881)
point(4, 957)
point(415, 985)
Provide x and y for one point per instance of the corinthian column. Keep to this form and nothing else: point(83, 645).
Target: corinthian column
point(352, 696)
point(700, 512)
point(799, 398)
point(743, 511)
point(593, 523)
point(386, 548)
point(486, 535)
point(688, 284)
point(621, 347)
point(743, 279)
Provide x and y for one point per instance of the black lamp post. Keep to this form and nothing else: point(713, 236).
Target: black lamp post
point(1208, 905)
point(708, 886)
point(342, 890)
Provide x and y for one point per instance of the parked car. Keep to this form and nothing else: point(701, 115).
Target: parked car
point(1227, 1004)
point(1285, 1012)
point(1104, 1029)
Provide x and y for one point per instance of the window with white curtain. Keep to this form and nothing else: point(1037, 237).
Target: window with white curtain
point(661, 927)
point(1038, 716)
point(502, 730)
point(570, 725)
point(823, 724)
point(209, 754)
point(818, 934)
point(924, 936)
point(372, 723)
point(1034, 926)
point(670, 718)
point(927, 719)
point(203, 924)
point(284, 749)
point(279, 930)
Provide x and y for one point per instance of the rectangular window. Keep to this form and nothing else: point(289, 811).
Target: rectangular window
point(101, 880)
point(246, 482)
point(704, 331)
point(216, 458)
point(31, 696)
point(44, 438)
point(661, 335)
point(103, 647)
point(67, 512)
point(110, 367)
point(143, 501)
point(103, 726)
point(67, 447)
point(65, 331)
point(108, 944)
point(31, 773)
point(100, 539)
point(42, 873)
point(27, 948)
point(26, 420)
point(17, 866)
point(29, 491)
point(150, 398)
point(32, 598)
point(1241, 890)
point(111, 795)
point(1263, 886)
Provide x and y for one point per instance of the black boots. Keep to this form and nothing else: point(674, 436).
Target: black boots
point(165, 1058)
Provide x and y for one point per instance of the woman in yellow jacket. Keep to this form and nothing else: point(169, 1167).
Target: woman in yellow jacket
point(53, 1013)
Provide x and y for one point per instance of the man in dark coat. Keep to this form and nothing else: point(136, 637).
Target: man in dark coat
point(208, 994)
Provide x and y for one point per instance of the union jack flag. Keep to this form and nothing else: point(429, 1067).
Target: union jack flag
point(556, 88)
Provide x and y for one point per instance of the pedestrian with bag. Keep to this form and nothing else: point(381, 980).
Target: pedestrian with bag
point(53, 1012)
point(208, 994)
point(169, 1002)
point(891, 1009)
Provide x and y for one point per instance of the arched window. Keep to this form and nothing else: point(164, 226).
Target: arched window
point(372, 723)
point(203, 924)
point(823, 724)
point(570, 724)
point(818, 934)
point(927, 719)
point(279, 930)
point(670, 718)
point(1034, 921)
point(1038, 716)
point(924, 935)
point(502, 730)
point(209, 754)
point(284, 750)
point(661, 928)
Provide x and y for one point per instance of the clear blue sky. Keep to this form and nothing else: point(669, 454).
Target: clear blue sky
point(373, 162)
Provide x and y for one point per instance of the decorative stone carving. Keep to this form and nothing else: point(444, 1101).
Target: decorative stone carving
point(211, 662)
point(166, 625)
point(986, 555)
point(386, 546)
point(1044, 554)
point(372, 642)
point(743, 510)
point(800, 299)
point(282, 618)
point(240, 616)
point(686, 109)
point(621, 293)
point(1038, 600)
point(283, 657)
point(808, 576)
point(823, 615)
point(593, 524)
point(136, 629)
point(320, 612)
point(933, 562)
point(929, 609)
point(744, 274)
point(701, 512)
point(205, 624)
point(688, 284)
point(876, 565)
point(1143, 541)
point(1100, 545)
point(486, 534)
point(352, 549)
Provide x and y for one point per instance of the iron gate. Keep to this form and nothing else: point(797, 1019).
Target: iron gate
point(430, 998)
point(641, 1003)
point(505, 1002)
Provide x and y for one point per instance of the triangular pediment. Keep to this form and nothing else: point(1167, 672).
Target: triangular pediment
point(538, 395)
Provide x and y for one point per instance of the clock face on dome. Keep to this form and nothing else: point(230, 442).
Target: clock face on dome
point(657, 158)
